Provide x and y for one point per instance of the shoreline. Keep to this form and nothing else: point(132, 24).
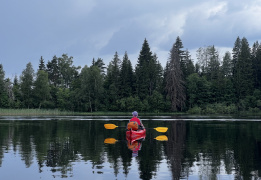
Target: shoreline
point(56, 112)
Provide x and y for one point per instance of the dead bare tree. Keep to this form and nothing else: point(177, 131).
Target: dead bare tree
point(174, 78)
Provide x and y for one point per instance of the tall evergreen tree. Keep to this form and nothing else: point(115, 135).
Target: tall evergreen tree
point(243, 73)
point(146, 72)
point(17, 93)
point(235, 53)
point(126, 77)
point(100, 64)
point(213, 63)
point(174, 78)
point(226, 67)
point(188, 65)
point(3, 93)
point(41, 64)
point(26, 79)
point(256, 59)
point(53, 71)
point(112, 82)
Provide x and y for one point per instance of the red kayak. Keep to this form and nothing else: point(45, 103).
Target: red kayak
point(132, 135)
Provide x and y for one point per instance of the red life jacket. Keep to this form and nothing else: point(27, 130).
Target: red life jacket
point(136, 120)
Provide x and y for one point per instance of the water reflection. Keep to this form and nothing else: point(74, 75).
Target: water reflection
point(76, 149)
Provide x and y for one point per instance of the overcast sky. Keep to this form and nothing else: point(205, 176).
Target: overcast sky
point(87, 29)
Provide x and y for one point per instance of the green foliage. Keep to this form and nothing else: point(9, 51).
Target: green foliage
point(211, 86)
point(41, 64)
point(63, 99)
point(27, 85)
point(53, 71)
point(41, 88)
point(243, 72)
point(126, 77)
point(91, 88)
point(3, 93)
point(112, 82)
point(198, 89)
point(147, 72)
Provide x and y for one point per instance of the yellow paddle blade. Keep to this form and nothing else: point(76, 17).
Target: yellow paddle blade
point(162, 138)
point(110, 141)
point(161, 129)
point(110, 126)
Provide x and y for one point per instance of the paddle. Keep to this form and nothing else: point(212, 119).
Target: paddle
point(113, 141)
point(159, 129)
point(161, 138)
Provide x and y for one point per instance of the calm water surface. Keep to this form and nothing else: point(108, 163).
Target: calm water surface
point(74, 147)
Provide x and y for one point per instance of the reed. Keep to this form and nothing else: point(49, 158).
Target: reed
point(32, 112)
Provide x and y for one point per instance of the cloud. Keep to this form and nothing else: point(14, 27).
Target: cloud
point(87, 29)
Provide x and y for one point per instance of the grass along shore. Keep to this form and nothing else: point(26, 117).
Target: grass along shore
point(33, 112)
point(56, 112)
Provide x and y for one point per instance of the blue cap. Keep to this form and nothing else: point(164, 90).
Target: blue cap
point(135, 113)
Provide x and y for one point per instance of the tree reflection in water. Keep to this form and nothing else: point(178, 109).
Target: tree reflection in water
point(199, 149)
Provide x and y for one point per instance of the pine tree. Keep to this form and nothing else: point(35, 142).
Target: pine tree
point(213, 65)
point(145, 72)
point(243, 72)
point(100, 64)
point(188, 67)
point(235, 53)
point(112, 82)
point(53, 72)
point(41, 64)
point(174, 78)
point(126, 77)
point(226, 67)
point(256, 59)
point(17, 93)
point(3, 93)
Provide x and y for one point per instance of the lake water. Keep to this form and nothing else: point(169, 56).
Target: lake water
point(73, 147)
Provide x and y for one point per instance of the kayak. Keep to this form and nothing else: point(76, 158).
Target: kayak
point(132, 135)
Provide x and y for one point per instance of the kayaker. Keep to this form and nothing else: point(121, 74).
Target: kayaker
point(137, 120)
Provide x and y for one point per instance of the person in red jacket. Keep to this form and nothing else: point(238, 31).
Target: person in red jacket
point(136, 119)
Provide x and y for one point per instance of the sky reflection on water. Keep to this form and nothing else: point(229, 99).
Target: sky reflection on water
point(72, 147)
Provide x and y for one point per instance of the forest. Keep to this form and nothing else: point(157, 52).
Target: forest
point(212, 84)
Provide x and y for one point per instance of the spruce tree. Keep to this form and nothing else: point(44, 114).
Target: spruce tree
point(235, 53)
point(112, 82)
point(100, 64)
point(41, 64)
point(126, 77)
point(226, 67)
point(3, 93)
point(175, 85)
point(243, 72)
point(17, 93)
point(53, 72)
point(256, 59)
point(146, 72)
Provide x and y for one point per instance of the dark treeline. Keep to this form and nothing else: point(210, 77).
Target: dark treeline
point(213, 84)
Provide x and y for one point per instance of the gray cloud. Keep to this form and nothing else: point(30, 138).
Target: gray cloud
point(93, 28)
